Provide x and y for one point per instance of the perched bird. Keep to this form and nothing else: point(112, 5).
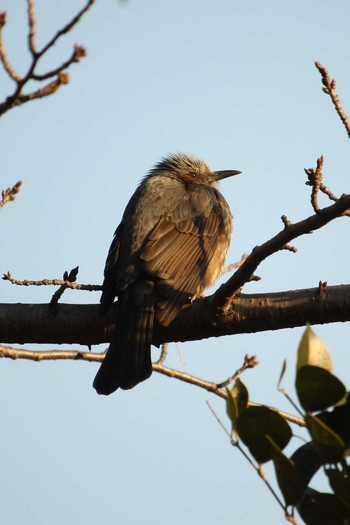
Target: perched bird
point(169, 247)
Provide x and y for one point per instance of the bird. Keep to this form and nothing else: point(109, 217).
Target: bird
point(170, 246)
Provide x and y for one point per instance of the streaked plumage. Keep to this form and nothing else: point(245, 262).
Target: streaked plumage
point(170, 246)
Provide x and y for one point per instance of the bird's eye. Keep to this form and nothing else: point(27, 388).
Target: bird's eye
point(193, 174)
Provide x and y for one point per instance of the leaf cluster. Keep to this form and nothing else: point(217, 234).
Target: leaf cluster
point(325, 409)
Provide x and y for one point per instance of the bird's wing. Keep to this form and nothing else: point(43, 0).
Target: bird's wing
point(109, 284)
point(178, 252)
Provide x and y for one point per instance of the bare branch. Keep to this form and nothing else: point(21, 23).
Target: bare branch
point(51, 88)
point(315, 179)
point(163, 354)
point(50, 355)
point(53, 282)
point(329, 89)
point(58, 74)
point(258, 468)
point(80, 323)
point(3, 56)
point(67, 27)
point(188, 378)
point(235, 265)
point(54, 355)
point(249, 362)
point(31, 24)
point(78, 53)
point(68, 277)
point(224, 295)
point(10, 193)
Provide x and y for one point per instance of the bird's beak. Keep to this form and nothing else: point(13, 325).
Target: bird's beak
point(219, 175)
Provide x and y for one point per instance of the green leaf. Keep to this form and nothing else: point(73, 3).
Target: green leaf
point(317, 388)
point(240, 392)
point(255, 424)
point(320, 508)
point(289, 479)
point(313, 351)
point(339, 421)
point(232, 408)
point(329, 446)
point(340, 483)
point(236, 401)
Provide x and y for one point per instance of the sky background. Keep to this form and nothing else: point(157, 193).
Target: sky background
point(234, 83)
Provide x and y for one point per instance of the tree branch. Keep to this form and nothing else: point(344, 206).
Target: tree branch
point(315, 178)
point(53, 282)
point(67, 27)
point(224, 296)
point(81, 324)
point(10, 193)
point(54, 355)
point(238, 313)
point(58, 74)
point(329, 89)
point(3, 56)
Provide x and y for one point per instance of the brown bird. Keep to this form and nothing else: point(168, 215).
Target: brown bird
point(169, 247)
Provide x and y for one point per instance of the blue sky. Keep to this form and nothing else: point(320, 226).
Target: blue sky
point(234, 83)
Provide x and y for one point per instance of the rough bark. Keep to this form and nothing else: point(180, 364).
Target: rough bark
point(80, 324)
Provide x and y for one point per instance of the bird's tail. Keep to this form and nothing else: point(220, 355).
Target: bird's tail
point(128, 358)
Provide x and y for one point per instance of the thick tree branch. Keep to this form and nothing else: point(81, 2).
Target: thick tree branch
point(80, 324)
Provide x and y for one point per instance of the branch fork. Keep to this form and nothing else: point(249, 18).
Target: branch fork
point(58, 76)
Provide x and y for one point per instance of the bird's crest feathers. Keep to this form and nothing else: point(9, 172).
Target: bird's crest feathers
point(178, 163)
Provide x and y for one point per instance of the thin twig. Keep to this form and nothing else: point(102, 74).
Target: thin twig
point(259, 471)
point(38, 355)
point(78, 53)
point(238, 264)
point(188, 378)
point(53, 282)
point(67, 27)
point(10, 193)
point(235, 265)
point(315, 179)
point(50, 355)
point(31, 24)
point(163, 354)
point(236, 443)
point(249, 362)
point(68, 277)
point(218, 419)
point(58, 74)
point(3, 56)
point(329, 89)
point(51, 88)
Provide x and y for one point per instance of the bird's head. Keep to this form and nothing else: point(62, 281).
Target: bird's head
point(189, 170)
